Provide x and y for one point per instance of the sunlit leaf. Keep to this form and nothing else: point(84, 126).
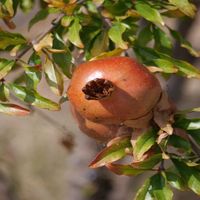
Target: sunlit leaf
point(66, 20)
point(33, 98)
point(185, 6)
point(187, 124)
point(144, 143)
point(73, 33)
point(150, 57)
point(155, 188)
point(166, 65)
point(54, 77)
point(5, 67)
point(115, 34)
point(127, 170)
point(148, 12)
point(190, 175)
point(115, 52)
point(13, 109)
point(10, 39)
point(112, 153)
point(45, 42)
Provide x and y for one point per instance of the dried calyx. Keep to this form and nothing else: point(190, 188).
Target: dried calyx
point(97, 89)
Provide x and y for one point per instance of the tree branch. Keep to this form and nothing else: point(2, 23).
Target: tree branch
point(30, 44)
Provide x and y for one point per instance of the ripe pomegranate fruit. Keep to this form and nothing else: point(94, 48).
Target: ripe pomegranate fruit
point(113, 90)
point(95, 130)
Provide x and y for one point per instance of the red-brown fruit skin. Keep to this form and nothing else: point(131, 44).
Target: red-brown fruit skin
point(136, 90)
point(100, 132)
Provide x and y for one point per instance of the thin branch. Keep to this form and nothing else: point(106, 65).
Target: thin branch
point(30, 44)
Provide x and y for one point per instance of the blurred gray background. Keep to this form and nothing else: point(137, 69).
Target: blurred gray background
point(35, 166)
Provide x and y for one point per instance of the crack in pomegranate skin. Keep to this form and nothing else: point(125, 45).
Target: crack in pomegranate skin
point(97, 89)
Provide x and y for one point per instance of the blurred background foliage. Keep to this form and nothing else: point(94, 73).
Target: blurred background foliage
point(44, 155)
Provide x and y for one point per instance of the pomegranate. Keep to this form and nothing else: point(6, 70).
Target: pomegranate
point(95, 130)
point(113, 90)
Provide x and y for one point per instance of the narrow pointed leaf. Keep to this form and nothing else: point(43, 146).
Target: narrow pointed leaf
point(73, 33)
point(159, 188)
point(144, 143)
point(184, 43)
point(149, 163)
point(5, 67)
point(175, 180)
point(115, 34)
point(54, 77)
point(184, 6)
point(148, 12)
point(10, 39)
point(33, 98)
point(63, 60)
point(4, 92)
point(143, 193)
point(13, 109)
point(126, 170)
point(112, 153)
point(191, 175)
point(145, 36)
point(100, 44)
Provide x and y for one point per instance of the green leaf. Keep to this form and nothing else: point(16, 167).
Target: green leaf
point(73, 33)
point(185, 6)
point(4, 92)
point(63, 60)
point(179, 142)
point(145, 36)
point(143, 143)
point(117, 8)
point(8, 10)
point(150, 57)
point(155, 188)
point(35, 60)
point(126, 170)
point(10, 39)
point(143, 192)
point(115, 52)
point(187, 124)
point(148, 12)
point(159, 189)
point(54, 77)
point(115, 34)
point(33, 76)
point(162, 41)
point(112, 153)
point(149, 163)
point(33, 98)
point(175, 180)
point(13, 109)
point(166, 66)
point(191, 175)
point(100, 44)
point(41, 15)
point(184, 43)
point(5, 67)
point(66, 20)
